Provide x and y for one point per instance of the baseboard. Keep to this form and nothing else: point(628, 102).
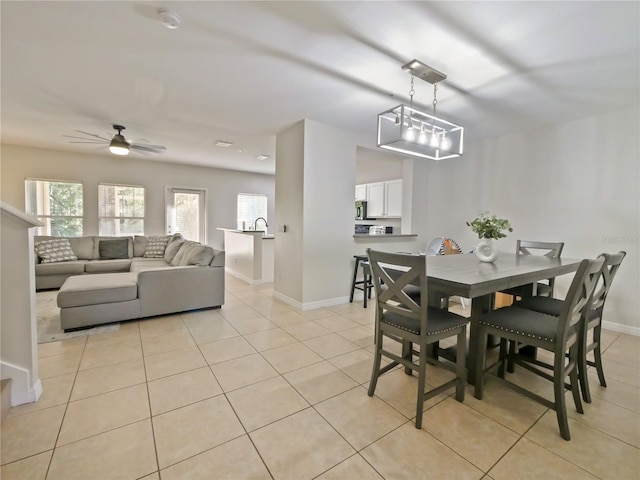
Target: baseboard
point(22, 388)
point(310, 305)
point(244, 278)
point(619, 327)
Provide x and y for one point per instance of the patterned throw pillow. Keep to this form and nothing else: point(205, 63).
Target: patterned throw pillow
point(156, 247)
point(58, 250)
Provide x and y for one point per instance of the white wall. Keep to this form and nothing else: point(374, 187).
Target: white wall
point(289, 209)
point(576, 182)
point(222, 186)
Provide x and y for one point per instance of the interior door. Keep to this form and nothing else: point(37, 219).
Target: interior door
point(186, 213)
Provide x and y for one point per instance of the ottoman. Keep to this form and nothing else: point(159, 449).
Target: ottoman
point(89, 300)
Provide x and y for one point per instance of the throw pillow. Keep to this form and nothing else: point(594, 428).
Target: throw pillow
point(57, 250)
point(113, 249)
point(172, 249)
point(156, 247)
point(199, 255)
point(184, 250)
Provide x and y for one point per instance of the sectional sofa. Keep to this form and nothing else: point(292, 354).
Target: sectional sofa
point(109, 279)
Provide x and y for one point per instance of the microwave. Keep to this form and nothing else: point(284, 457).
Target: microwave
point(361, 210)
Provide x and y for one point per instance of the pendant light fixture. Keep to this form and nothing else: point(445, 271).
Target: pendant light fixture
point(406, 129)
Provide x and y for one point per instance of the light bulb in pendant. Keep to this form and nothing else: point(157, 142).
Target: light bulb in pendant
point(422, 138)
point(410, 133)
point(434, 139)
point(445, 144)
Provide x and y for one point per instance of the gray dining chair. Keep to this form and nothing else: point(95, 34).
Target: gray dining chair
point(403, 316)
point(548, 249)
point(591, 323)
point(556, 334)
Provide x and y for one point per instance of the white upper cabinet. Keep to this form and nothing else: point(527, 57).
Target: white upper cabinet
point(375, 200)
point(393, 198)
point(361, 192)
point(384, 199)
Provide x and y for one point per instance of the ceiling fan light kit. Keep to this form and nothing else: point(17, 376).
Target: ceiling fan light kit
point(118, 145)
point(406, 129)
point(170, 19)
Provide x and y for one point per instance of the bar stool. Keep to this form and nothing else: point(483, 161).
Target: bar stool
point(366, 283)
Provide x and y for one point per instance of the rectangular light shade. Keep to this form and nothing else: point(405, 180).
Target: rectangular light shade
point(407, 130)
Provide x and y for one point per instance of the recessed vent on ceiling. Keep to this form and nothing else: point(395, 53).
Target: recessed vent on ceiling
point(222, 143)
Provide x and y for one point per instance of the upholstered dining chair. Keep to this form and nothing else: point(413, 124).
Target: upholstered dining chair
point(402, 315)
point(556, 334)
point(591, 323)
point(548, 249)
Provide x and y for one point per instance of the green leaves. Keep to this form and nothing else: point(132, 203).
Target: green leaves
point(490, 226)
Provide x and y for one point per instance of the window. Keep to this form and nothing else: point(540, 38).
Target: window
point(250, 207)
point(56, 204)
point(120, 210)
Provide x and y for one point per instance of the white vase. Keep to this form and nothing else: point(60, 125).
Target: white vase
point(486, 250)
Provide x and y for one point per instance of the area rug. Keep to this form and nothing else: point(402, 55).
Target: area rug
point(48, 320)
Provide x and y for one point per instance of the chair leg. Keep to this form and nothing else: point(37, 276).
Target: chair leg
point(422, 373)
point(597, 355)
point(582, 366)
point(353, 280)
point(376, 365)
point(407, 354)
point(513, 349)
point(560, 404)
point(461, 361)
point(503, 357)
point(479, 368)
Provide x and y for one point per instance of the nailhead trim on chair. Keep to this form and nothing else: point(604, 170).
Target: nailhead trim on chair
point(417, 332)
point(510, 330)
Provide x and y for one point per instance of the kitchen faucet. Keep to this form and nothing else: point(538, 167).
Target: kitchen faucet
point(255, 223)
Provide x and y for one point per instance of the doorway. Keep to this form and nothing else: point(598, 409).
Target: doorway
point(186, 213)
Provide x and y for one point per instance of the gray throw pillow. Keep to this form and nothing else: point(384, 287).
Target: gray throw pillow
point(113, 249)
point(172, 249)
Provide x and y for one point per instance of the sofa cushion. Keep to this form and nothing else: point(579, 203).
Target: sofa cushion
point(61, 268)
point(96, 246)
point(142, 264)
point(139, 245)
point(97, 289)
point(57, 250)
point(82, 247)
point(108, 266)
point(172, 249)
point(156, 247)
point(185, 249)
point(198, 255)
point(114, 249)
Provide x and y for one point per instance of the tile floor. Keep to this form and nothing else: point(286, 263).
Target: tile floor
point(258, 390)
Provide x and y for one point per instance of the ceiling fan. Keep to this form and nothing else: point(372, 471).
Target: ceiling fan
point(118, 145)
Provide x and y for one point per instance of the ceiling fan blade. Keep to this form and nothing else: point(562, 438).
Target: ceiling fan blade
point(87, 141)
point(148, 148)
point(94, 135)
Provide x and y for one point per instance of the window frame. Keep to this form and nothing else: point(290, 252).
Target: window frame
point(102, 206)
point(245, 219)
point(46, 219)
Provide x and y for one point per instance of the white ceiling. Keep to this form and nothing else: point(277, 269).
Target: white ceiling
point(243, 71)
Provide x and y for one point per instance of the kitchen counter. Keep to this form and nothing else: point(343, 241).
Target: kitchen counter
point(249, 256)
point(358, 236)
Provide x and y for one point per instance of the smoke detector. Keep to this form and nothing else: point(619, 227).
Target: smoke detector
point(170, 19)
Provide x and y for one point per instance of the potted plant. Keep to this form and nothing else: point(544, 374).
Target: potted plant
point(488, 227)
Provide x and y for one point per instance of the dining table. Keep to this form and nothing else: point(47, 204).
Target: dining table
point(465, 275)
